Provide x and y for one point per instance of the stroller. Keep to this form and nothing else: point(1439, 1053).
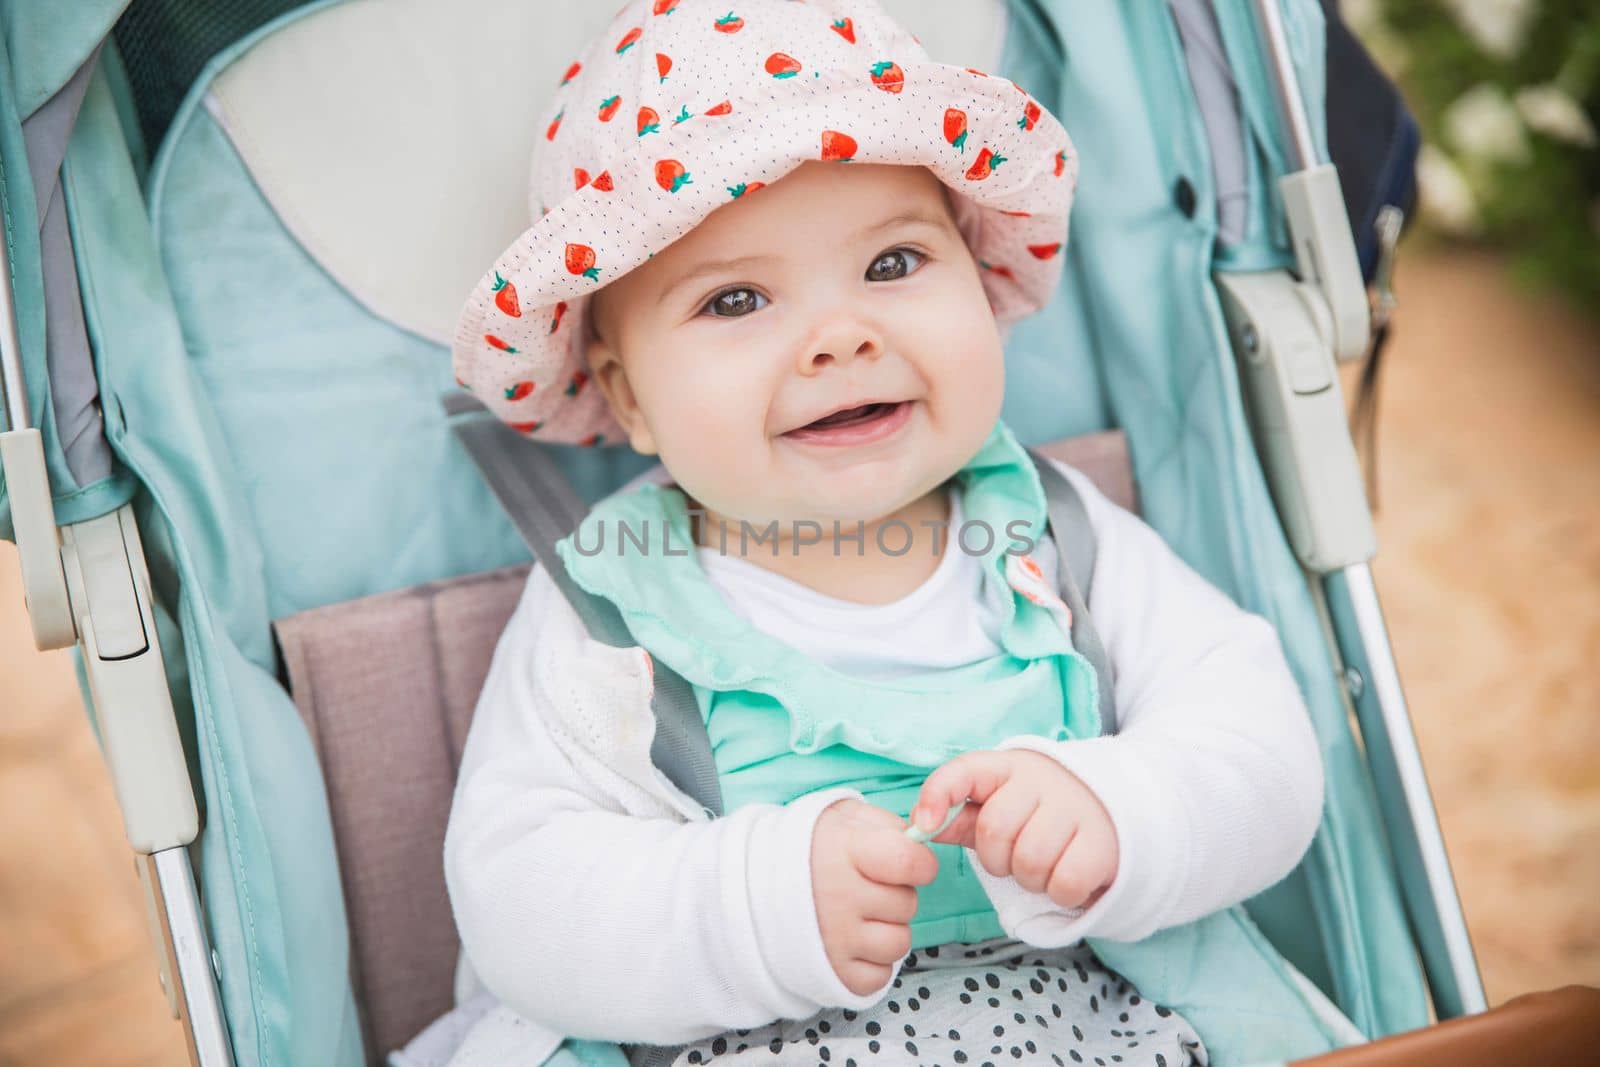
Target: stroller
point(233, 488)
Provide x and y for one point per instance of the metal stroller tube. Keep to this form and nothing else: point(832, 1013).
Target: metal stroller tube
point(1287, 84)
point(188, 976)
point(12, 383)
point(1373, 682)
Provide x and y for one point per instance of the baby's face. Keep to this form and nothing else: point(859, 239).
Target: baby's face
point(839, 286)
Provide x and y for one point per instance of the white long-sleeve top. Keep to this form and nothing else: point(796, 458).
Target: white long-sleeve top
point(594, 899)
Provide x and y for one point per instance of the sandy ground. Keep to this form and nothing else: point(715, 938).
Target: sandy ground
point(1489, 568)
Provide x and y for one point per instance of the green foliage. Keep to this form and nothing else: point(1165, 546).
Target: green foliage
point(1508, 94)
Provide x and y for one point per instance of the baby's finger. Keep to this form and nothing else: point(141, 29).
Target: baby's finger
point(921, 836)
point(960, 832)
point(1039, 846)
point(871, 815)
point(972, 775)
point(999, 822)
point(1087, 865)
point(879, 942)
point(863, 978)
point(888, 903)
point(892, 860)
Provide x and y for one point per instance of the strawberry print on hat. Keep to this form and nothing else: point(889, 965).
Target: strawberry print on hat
point(837, 147)
point(580, 260)
point(725, 99)
point(888, 76)
point(505, 297)
point(955, 127)
point(671, 176)
point(781, 65)
point(988, 160)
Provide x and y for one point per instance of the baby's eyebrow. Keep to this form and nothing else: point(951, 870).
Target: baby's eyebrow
point(925, 216)
point(709, 267)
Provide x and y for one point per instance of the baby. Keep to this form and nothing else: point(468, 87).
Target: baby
point(779, 251)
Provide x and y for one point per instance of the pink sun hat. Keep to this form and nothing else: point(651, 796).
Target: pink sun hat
point(682, 106)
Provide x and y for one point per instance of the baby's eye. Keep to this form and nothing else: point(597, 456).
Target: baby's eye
point(735, 303)
point(891, 265)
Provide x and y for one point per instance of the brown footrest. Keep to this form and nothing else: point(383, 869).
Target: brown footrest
point(1557, 1028)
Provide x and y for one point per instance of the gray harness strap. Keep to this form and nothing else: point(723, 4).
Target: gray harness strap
point(544, 509)
point(1075, 544)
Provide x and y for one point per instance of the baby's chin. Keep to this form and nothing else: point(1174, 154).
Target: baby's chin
point(848, 507)
point(792, 486)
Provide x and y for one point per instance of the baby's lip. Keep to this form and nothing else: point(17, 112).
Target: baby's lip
point(846, 406)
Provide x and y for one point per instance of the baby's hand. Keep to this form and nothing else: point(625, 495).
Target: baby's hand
point(1027, 816)
point(863, 869)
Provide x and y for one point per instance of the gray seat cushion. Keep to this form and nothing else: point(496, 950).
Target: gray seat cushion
point(387, 685)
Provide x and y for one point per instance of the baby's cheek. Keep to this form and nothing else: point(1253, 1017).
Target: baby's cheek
point(961, 326)
point(693, 404)
point(969, 396)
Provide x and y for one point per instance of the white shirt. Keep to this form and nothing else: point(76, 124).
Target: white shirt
point(947, 621)
point(583, 881)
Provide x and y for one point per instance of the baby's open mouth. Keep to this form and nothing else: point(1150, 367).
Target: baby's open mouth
point(850, 416)
point(853, 426)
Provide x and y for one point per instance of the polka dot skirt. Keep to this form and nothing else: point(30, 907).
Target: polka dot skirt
point(984, 1005)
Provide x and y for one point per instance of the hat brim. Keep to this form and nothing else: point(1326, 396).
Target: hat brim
point(980, 134)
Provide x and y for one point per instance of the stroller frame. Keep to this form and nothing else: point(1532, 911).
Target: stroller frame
point(87, 584)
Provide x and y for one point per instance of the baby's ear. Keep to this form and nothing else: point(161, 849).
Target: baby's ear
point(605, 367)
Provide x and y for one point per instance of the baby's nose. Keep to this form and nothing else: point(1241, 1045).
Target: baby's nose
point(840, 349)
